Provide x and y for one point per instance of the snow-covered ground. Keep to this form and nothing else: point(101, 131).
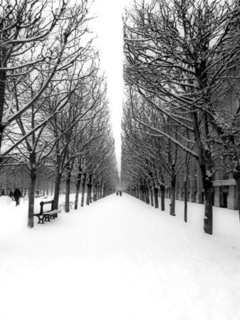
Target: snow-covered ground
point(119, 259)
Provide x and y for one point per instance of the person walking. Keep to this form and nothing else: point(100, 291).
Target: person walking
point(17, 195)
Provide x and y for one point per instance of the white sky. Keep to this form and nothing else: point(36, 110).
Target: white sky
point(110, 42)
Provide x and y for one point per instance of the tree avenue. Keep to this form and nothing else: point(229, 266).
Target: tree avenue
point(55, 130)
point(181, 68)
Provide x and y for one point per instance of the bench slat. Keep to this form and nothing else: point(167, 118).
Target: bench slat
point(51, 212)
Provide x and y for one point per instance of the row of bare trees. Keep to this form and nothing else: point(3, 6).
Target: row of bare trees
point(54, 115)
point(182, 88)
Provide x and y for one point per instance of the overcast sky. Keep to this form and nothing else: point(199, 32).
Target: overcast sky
point(108, 26)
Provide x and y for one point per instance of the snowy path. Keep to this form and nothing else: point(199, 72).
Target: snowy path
point(120, 259)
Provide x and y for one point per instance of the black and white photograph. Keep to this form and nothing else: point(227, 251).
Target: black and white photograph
point(119, 159)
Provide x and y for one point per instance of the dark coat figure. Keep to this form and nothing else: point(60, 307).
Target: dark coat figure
point(17, 195)
point(120, 193)
point(117, 193)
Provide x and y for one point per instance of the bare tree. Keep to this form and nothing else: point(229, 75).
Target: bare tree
point(39, 40)
point(182, 52)
point(37, 141)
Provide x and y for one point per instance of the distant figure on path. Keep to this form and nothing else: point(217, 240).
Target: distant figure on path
point(17, 195)
point(117, 193)
point(120, 193)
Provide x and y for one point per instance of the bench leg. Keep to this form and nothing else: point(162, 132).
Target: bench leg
point(47, 218)
point(40, 219)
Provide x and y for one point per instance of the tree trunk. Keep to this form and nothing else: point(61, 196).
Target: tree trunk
point(89, 193)
point(104, 190)
point(83, 188)
point(76, 196)
point(185, 183)
point(156, 196)
point(162, 189)
point(101, 191)
point(2, 93)
point(173, 196)
point(33, 178)
point(137, 192)
point(57, 190)
point(78, 183)
point(151, 195)
point(95, 191)
point(89, 190)
point(206, 165)
point(141, 193)
point(208, 219)
point(185, 199)
point(146, 194)
point(68, 185)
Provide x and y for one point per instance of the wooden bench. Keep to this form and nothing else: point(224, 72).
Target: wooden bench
point(47, 215)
